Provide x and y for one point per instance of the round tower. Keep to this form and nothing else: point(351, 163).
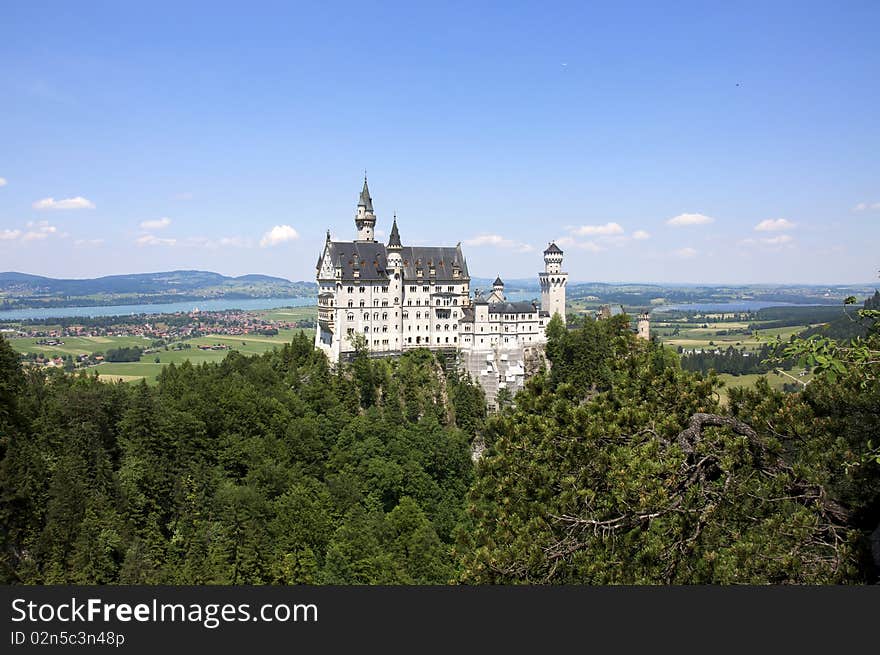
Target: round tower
point(365, 219)
point(553, 282)
point(644, 326)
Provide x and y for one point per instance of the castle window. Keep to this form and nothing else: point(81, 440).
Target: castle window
point(405, 314)
point(384, 316)
point(438, 327)
point(350, 289)
point(446, 327)
point(366, 317)
point(351, 303)
point(426, 288)
point(438, 301)
point(438, 339)
point(362, 289)
point(409, 303)
point(350, 331)
point(362, 303)
point(412, 288)
point(418, 302)
point(350, 317)
point(384, 289)
point(376, 316)
point(376, 303)
point(384, 328)
point(384, 303)
point(418, 314)
point(450, 289)
point(455, 301)
point(454, 339)
point(396, 300)
point(447, 339)
point(366, 329)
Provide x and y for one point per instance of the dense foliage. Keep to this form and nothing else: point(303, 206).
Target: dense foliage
point(619, 467)
point(615, 466)
point(269, 469)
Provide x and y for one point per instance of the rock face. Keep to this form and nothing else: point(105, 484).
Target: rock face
point(496, 369)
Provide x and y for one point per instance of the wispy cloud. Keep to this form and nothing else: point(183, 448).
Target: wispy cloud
point(40, 230)
point(597, 230)
point(222, 242)
point(278, 234)
point(9, 235)
point(779, 240)
point(153, 240)
point(2, 181)
point(689, 219)
point(866, 206)
point(68, 203)
point(641, 235)
point(156, 224)
point(571, 242)
point(497, 241)
point(86, 243)
point(685, 253)
point(185, 195)
point(774, 225)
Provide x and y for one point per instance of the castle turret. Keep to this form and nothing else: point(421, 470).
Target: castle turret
point(644, 326)
point(553, 282)
point(365, 219)
point(395, 261)
point(497, 294)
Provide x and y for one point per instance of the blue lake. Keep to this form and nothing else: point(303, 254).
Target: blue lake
point(164, 308)
point(734, 306)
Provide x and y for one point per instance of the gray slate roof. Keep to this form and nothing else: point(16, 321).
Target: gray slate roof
point(522, 307)
point(372, 258)
point(553, 248)
point(365, 199)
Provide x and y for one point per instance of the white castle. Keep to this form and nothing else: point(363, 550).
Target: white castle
point(394, 298)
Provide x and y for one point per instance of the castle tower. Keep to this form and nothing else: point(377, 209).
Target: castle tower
point(644, 326)
point(395, 261)
point(365, 219)
point(553, 282)
point(497, 294)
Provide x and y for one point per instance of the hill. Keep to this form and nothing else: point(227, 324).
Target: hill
point(21, 290)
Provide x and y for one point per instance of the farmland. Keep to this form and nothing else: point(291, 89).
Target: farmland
point(197, 350)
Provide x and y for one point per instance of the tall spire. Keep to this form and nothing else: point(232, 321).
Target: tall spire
point(365, 200)
point(394, 239)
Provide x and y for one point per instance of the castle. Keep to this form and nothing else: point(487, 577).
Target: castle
point(392, 298)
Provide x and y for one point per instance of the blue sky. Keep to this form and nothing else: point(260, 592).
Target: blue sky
point(668, 142)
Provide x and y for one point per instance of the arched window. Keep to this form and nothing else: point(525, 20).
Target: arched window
point(366, 317)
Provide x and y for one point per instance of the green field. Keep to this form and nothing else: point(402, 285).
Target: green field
point(147, 368)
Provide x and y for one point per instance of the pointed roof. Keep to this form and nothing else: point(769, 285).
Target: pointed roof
point(553, 248)
point(394, 239)
point(498, 282)
point(365, 200)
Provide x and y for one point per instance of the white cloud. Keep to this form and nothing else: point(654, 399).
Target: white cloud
point(222, 242)
point(68, 203)
point(2, 181)
point(777, 241)
point(80, 243)
point(278, 234)
point(685, 253)
point(690, 219)
point(862, 206)
point(774, 225)
point(570, 242)
point(38, 231)
point(152, 240)
point(498, 241)
point(641, 235)
point(9, 235)
point(156, 224)
point(603, 230)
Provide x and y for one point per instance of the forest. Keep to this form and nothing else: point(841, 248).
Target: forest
point(613, 466)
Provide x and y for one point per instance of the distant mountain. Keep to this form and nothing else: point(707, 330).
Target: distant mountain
point(19, 290)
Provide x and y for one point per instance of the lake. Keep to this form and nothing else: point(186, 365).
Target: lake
point(218, 305)
point(734, 306)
